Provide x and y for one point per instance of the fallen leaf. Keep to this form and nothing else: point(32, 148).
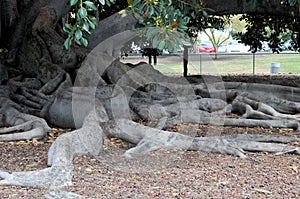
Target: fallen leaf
point(215, 179)
point(51, 134)
point(35, 141)
point(262, 191)
point(89, 169)
point(231, 165)
point(295, 168)
point(295, 143)
point(32, 164)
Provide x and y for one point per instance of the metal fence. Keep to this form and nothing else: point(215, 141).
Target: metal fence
point(226, 63)
point(261, 62)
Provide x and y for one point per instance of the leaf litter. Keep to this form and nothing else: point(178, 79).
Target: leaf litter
point(162, 173)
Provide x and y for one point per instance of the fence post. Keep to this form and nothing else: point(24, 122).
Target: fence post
point(253, 63)
point(185, 60)
point(200, 64)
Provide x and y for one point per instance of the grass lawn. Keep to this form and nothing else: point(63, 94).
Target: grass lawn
point(230, 63)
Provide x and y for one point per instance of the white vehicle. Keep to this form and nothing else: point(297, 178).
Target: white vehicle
point(236, 46)
point(222, 49)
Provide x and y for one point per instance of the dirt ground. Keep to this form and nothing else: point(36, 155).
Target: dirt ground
point(284, 80)
point(163, 173)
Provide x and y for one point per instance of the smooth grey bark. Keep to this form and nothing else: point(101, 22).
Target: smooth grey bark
point(114, 25)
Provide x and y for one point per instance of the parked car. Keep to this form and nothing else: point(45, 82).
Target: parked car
point(236, 46)
point(205, 47)
point(265, 47)
point(136, 49)
point(287, 45)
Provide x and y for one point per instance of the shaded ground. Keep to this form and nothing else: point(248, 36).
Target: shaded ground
point(284, 80)
point(164, 173)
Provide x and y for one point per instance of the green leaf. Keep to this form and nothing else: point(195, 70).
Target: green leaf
point(92, 25)
point(151, 11)
point(82, 12)
point(108, 3)
point(151, 32)
point(67, 43)
point(84, 41)
point(142, 8)
point(135, 3)
point(102, 2)
point(90, 5)
point(93, 19)
point(205, 14)
point(78, 34)
point(78, 42)
point(73, 2)
point(67, 27)
point(86, 27)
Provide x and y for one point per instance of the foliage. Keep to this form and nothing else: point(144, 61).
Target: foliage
point(171, 18)
point(164, 24)
point(269, 28)
point(82, 21)
point(167, 23)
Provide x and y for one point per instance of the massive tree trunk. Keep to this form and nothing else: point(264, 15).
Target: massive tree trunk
point(42, 83)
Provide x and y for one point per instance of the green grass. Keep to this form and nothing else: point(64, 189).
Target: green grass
point(231, 64)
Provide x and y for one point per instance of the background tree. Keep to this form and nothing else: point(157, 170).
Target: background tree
point(223, 28)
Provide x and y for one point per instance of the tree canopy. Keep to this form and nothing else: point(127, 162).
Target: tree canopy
point(172, 20)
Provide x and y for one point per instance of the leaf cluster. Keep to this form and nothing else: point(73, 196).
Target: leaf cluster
point(167, 23)
point(82, 21)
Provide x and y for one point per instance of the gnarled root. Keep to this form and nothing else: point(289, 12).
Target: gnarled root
point(86, 140)
point(149, 139)
point(53, 176)
point(23, 126)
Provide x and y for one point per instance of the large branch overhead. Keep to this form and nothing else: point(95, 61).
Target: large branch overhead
point(268, 7)
point(113, 24)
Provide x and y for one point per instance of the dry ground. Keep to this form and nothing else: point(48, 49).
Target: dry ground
point(163, 173)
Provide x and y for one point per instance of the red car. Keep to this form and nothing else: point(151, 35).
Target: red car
point(206, 48)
